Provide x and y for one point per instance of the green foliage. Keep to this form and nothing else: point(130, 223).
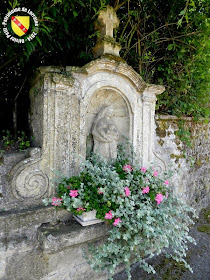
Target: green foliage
point(166, 43)
point(23, 141)
point(7, 139)
point(143, 227)
point(186, 71)
point(204, 228)
point(20, 143)
point(184, 133)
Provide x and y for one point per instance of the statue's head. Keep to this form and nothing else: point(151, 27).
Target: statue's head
point(108, 111)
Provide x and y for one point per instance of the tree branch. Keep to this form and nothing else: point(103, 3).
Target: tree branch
point(8, 62)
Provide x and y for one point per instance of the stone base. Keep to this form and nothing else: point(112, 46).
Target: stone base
point(106, 47)
point(87, 219)
point(35, 245)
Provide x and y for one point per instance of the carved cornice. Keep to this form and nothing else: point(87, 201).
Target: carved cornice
point(116, 66)
point(154, 89)
point(149, 98)
point(150, 92)
point(62, 79)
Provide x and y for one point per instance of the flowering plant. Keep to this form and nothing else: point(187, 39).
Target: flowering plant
point(146, 217)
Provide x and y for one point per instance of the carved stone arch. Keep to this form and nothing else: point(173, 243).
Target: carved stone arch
point(119, 68)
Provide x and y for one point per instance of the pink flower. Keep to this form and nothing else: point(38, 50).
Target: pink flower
point(155, 174)
point(117, 221)
point(159, 198)
point(143, 169)
point(127, 168)
point(166, 182)
point(108, 215)
point(56, 201)
point(145, 190)
point(73, 193)
point(127, 191)
point(99, 191)
point(80, 208)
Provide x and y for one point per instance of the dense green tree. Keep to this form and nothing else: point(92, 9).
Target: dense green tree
point(166, 42)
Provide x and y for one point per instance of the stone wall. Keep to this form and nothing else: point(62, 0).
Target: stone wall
point(38, 243)
point(188, 154)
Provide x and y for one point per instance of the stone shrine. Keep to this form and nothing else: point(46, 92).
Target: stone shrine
point(73, 110)
point(79, 108)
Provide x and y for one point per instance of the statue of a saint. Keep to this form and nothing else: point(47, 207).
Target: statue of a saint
point(105, 134)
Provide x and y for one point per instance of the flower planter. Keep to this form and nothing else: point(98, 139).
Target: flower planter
point(88, 218)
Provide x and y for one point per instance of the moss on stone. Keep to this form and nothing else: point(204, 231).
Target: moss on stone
point(113, 57)
point(169, 269)
point(198, 162)
point(204, 228)
point(178, 142)
point(161, 128)
point(204, 218)
point(163, 124)
point(161, 142)
point(2, 157)
point(206, 215)
point(177, 157)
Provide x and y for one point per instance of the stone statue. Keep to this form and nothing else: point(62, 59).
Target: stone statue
point(105, 134)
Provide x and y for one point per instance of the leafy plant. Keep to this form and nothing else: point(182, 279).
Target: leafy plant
point(23, 141)
point(147, 217)
point(184, 133)
point(7, 139)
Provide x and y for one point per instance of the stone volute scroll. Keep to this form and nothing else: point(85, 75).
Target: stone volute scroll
point(28, 179)
point(105, 134)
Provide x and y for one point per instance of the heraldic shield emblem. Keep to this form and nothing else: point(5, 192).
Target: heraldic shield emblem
point(20, 24)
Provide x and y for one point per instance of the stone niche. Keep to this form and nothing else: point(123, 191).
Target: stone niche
point(109, 98)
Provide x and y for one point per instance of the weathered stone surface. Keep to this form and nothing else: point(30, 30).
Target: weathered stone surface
point(191, 164)
point(59, 237)
point(8, 162)
point(105, 133)
point(107, 21)
point(25, 222)
point(61, 244)
point(55, 254)
point(64, 108)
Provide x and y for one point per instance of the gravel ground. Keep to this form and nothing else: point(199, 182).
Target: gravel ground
point(198, 257)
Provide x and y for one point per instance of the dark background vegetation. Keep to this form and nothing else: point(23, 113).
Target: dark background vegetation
point(166, 42)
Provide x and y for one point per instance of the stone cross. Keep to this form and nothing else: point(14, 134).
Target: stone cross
point(108, 21)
